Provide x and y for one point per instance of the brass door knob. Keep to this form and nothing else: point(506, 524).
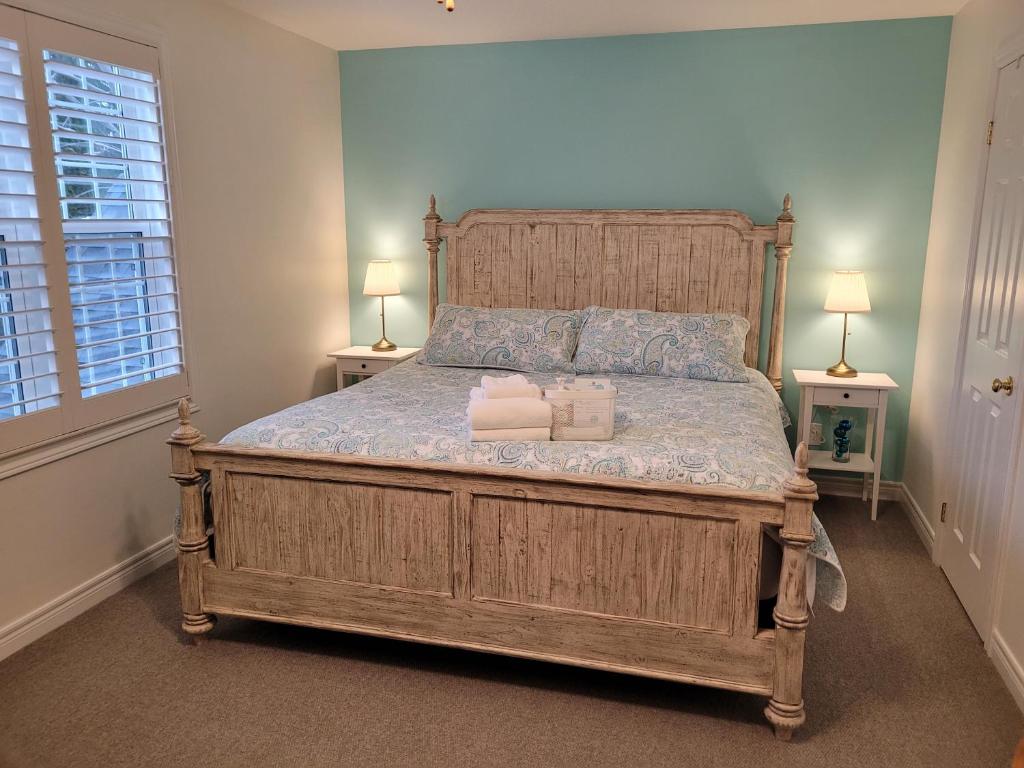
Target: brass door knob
point(1006, 385)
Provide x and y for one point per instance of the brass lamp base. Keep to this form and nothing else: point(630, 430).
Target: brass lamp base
point(842, 370)
point(384, 345)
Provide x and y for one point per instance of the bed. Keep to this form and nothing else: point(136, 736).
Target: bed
point(369, 511)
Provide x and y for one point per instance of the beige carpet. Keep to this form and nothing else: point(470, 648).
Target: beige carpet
point(899, 679)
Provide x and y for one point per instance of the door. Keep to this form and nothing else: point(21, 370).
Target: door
point(985, 439)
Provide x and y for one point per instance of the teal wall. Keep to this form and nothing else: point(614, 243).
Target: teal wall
point(843, 116)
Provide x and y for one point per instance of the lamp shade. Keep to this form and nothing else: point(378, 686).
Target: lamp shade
point(848, 293)
point(381, 279)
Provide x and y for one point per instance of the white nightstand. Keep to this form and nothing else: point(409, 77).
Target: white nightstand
point(866, 390)
point(363, 361)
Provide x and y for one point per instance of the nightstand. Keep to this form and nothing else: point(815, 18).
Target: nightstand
point(363, 361)
point(866, 390)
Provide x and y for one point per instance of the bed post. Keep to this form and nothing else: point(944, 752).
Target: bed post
point(430, 222)
point(193, 543)
point(785, 710)
point(783, 247)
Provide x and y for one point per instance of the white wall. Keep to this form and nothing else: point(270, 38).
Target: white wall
point(260, 215)
point(978, 32)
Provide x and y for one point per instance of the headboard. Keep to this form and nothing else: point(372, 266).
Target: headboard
point(664, 260)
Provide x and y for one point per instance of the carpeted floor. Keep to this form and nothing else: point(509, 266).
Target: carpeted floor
point(899, 679)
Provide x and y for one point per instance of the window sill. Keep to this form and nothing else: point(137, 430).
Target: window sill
point(33, 456)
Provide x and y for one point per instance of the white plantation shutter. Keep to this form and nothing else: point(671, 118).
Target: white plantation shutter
point(28, 364)
point(115, 210)
point(90, 326)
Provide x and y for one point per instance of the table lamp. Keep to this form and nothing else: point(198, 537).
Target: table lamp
point(848, 293)
point(382, 281)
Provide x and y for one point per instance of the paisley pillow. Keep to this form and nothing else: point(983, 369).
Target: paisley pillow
point(639, 342)
point(540, 340)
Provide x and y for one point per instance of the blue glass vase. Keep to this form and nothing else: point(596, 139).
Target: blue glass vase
point(841, 444)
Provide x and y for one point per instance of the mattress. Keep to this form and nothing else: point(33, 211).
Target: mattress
point(666, 429)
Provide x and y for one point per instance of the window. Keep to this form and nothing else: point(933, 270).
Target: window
point(89, 314)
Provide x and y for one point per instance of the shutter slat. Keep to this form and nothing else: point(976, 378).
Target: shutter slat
point(133, 318)
point(134, 374)
point(70, 90)
point(55, 395)
point(144, 297)
point(117, 281)
point(93, 74)
point(57, 110)
point(122, 358)
point(64, 134)
point(132, 337)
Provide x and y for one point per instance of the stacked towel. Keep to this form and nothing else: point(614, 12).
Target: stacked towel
point(496, 387)
point(499, 393)
point(508, 408)
point(530, 435)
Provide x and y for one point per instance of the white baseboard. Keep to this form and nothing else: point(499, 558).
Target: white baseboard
point(34, 625)
point(918, 519)
point(829, 485)
point(1009, 668)
point(888, 490)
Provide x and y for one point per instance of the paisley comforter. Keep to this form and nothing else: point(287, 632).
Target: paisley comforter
point(666, 429)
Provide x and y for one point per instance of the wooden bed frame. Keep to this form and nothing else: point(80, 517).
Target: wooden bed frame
point(646, 578)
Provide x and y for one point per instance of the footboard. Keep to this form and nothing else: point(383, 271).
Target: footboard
point(651, 579)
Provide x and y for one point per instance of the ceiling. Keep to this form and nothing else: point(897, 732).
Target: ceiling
point(356, 24)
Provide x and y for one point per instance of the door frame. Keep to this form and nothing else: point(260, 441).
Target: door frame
point(1012, 49)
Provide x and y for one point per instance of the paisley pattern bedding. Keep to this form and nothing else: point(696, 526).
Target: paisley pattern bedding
point(689, 346)
point(510, 339)
point(666, 429)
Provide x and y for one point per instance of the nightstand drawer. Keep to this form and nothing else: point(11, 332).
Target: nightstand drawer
point(364, 366)
point(856, 398)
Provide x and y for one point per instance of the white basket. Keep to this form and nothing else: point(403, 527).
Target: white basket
point(582, 412)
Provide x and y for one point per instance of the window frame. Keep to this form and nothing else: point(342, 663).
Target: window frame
point(110, 413)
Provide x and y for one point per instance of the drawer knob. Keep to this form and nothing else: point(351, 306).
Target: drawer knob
point(846, 395)
point(363, 365)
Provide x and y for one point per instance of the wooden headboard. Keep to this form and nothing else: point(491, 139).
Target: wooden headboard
point(664, 260)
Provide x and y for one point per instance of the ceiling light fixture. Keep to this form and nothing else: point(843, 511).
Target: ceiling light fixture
point(449, 5)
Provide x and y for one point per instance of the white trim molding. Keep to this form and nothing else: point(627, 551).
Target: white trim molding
point(34, 625)
point(918, 519)
point(62, 446)
point(829, 485)
point(1009, 668)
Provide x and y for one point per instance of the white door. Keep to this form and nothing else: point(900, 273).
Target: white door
point(986, 436)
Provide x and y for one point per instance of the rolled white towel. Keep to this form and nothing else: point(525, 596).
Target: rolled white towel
point(498, 393)
point(529, 434)
point(525, 390)
point(509, 413)
point(515, 380)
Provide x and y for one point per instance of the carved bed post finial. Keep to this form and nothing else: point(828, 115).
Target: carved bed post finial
point(783, 248)
point(430, 237)
point(192, 540)
point(785, 710)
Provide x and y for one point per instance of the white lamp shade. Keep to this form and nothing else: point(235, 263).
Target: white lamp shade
point(848, 293)
point(381, 279)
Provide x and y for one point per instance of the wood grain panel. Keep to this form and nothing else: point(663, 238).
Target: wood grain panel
point(340, 531)
point(589, 265)
point(540, 266)
point(621, 266)
point(519, 249)
point(565, 267)
point(678, 570)
point(603, 642)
